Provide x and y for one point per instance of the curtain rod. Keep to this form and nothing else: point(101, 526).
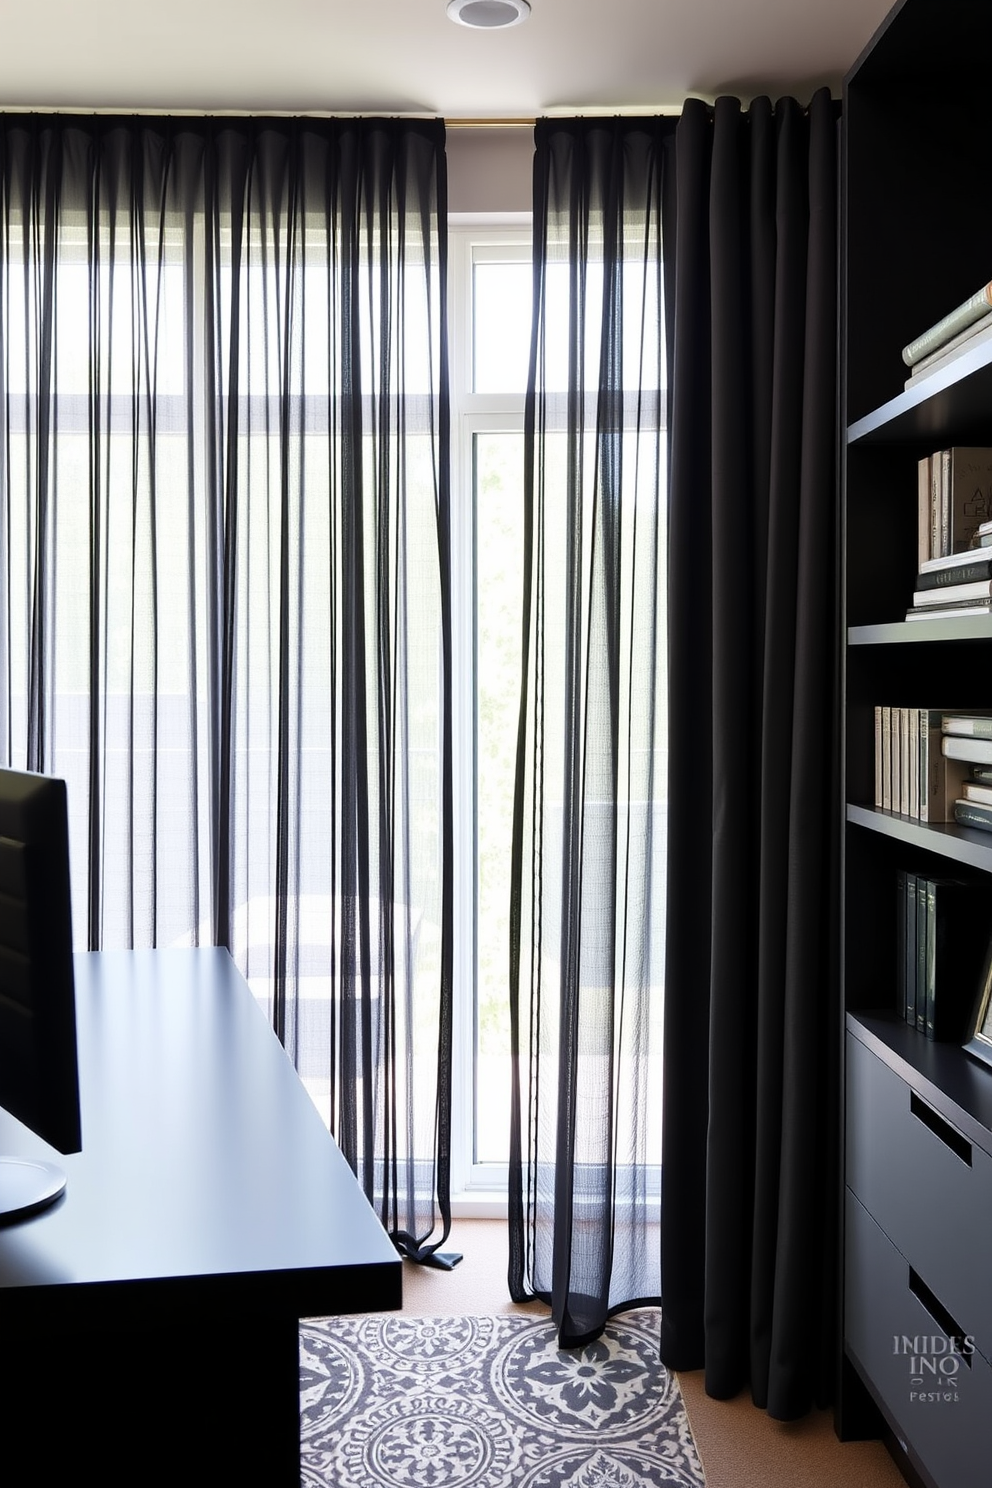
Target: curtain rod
point(490, 123)
point(562, 114)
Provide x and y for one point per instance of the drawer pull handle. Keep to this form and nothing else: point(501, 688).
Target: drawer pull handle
point(941, 1316)
point(940, 1128)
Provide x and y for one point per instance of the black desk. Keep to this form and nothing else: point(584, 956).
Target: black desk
point(149, 1319)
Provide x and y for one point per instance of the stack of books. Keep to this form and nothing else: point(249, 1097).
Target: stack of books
point(914, 775)
point(968, 325)
point(966, 741)
point(944, 928)
point(960, 584)
point(954, 514)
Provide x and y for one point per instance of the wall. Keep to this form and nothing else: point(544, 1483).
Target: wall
point(490, 170)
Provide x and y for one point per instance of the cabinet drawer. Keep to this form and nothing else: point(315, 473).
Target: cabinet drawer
point(939, 1404)
point(929, 1188)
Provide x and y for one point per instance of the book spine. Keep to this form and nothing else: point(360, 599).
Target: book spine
point(878, 755)
point(945, 503)
point(919, 1001)
point(909, 949)
point(954, 611)
point(974, 790)
point(923, 511)
point(936, 551)
point(896, 789)
point(952, 593)
point(886, 758)
point(963, 339)
point(971, 814)
point(954, 560)
point(963, 724)
point(975, 751)
point(927, 765)
point(956, 320)
point(944, 579)
point(913, 804)
point(931, 962)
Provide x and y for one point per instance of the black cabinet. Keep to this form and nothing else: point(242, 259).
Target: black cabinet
point(917, 240)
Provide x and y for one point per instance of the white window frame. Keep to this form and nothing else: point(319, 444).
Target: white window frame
point(478, 1190)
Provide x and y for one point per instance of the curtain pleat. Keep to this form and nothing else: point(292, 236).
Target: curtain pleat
point(588, 863)
point(226, 598)
point(749, 1165)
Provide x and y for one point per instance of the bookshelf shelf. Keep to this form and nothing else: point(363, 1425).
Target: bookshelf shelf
point(913, 632)
point(912, 135)
point(951, 406)
point(964, 845)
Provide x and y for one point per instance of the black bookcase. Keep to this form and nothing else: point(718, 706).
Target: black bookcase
point(916, 241)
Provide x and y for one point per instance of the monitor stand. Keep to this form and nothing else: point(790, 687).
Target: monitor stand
point(26, 1185)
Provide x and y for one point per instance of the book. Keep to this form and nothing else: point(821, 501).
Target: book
point(906, 945)
point(958, 319)
point(924, 550)
point(878, 755)
point(953, 593)
point(966, 494)
point(886, 758)
point(975, 751)
point(974, 725)
point(951, 611)
point(954, 561)
point(975, 790)
point(973, 814)
point(913, 803)
point(949, 575)
point(958, 346)
point(958, 929)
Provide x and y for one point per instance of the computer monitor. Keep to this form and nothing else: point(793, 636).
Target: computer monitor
point(39, 1081)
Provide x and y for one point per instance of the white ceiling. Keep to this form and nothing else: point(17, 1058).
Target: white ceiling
point(405, 56)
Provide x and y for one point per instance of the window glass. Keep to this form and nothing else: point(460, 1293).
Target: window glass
point(501, 326)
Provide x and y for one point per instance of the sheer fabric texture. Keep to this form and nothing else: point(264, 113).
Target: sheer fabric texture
point(588, 848)
point(223, 559)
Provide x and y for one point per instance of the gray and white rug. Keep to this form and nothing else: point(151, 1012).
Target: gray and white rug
point(489, 1402)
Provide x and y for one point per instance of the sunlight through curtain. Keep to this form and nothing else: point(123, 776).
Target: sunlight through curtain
point(589, 824)
point(223, 554)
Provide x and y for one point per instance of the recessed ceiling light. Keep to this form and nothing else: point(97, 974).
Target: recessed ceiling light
point(488, 15)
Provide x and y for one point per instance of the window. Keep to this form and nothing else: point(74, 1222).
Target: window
point(490, 288)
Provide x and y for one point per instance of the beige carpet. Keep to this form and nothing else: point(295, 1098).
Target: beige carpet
point(739, 1445)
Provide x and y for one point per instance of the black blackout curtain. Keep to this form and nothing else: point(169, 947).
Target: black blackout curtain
point(588, 847)
point(224, 547)
point(751, 1020)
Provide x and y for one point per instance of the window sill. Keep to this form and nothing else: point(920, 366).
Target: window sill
point(478, 1203)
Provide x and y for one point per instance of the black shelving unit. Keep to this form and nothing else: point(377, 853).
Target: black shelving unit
point(917, 240)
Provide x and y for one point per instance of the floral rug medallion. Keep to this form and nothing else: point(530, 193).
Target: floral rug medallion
point(489, 1402)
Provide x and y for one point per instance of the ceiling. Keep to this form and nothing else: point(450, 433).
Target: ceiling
point(406, 57)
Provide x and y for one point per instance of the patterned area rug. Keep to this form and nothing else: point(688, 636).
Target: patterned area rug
point(489, 1402)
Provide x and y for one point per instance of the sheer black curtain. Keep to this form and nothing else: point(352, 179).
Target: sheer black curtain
point(588, 835)
point(751, 1020)
point(224, 552)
